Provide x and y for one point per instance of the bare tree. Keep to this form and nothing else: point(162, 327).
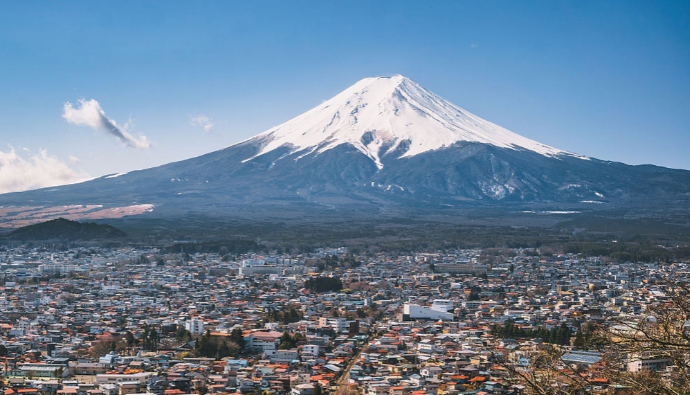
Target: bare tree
point(543, 372)
point(660, 335)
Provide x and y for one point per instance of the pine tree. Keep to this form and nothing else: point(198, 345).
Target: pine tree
point(129, 338)
point(286, 341)
point(579, 342)
point(153, 340)
point(145, 338)
point(237, 337)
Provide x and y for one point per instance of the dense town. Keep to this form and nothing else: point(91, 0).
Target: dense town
point(95, 321)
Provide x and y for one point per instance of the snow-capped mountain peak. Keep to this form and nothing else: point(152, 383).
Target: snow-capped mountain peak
point(410, 166)
point(382, 115)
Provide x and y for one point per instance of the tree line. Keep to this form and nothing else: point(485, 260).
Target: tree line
point(323, 284)
point(556, 335)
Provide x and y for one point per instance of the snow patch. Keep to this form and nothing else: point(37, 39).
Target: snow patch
point(551, 212)
point(495, 190)
point(391, 187)
point(115, 175)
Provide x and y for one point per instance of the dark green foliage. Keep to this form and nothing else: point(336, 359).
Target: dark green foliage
point(292, 314)
point(330, 263)
point(223, 247)
point(129, 338)
point(628, 252)
point(323, 284)
point(583, 337)
point(181, 334)
point(541, 235)
point(237, 337)
point(557, 335)
point(216, 347)
point(149, 339)
point(288, 341)
point(64, 229)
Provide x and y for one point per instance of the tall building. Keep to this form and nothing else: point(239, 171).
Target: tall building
point(194, 326)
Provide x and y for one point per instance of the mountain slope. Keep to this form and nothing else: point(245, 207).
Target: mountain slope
point(384, 145)
point(64, 229)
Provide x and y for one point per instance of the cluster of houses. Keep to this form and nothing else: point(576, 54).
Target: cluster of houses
point(130, 321)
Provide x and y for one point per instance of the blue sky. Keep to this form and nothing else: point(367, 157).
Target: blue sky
point(609, 79)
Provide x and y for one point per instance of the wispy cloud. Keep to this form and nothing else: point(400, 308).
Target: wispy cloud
point(89, 113)
point(203, 121)
point(21, 173)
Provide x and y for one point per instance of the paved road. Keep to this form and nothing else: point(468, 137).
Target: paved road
point(345, 377)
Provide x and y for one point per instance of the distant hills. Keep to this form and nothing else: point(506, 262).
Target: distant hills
point(64, 229)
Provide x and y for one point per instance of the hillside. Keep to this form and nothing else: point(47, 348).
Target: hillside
point(64, 229)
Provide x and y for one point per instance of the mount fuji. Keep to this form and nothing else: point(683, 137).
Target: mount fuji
point(383, 145)
point(380, 116)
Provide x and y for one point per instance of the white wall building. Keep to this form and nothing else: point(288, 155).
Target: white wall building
point(338, 324)
point(310, 350)
point(285, 357)
point(649, 364)
point(417, 312)
point(264, 342)
point(194, 326)
point(141, 378)
point(250, 267)
point(444, 305)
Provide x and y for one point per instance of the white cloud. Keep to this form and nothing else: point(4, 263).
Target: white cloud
point(203, 121)
point(89, 113)
point(73, 159)
point(40, 170)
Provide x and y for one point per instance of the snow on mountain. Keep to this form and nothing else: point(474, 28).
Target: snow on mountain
point(340, 160)
point(382, 115)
